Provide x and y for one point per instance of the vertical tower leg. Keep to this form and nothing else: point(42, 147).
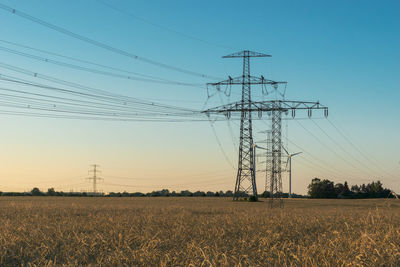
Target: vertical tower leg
point(276, 170)
point(245, 180)
point(268, 163)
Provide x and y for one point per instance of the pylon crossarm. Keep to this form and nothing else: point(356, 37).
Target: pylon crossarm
point(246, 53)
point(285, 105)
point(252, 80)
point(273, 105)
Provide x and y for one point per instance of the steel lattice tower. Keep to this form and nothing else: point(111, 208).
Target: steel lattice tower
point(276, 149)
point(245, 179)
point(95, 178)
point(268, 163)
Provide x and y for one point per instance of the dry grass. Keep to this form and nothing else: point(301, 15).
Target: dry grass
point(49, 231)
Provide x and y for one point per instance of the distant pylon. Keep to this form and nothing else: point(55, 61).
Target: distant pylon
point(95, 178)
point(268, 163)
point(276, 171)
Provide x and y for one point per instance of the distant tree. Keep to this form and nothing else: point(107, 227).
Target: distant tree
point(355, 189)
point(376, 190)
point(36, 192)
point(342, 190)
point(155, 194)
point(253, 199)
point(186, 193)
point(321, 189)
point(346, 192)
point(265, 194)
point(164, 193)
point(327, 189)
point(229, 193)
point(210, 194)
point(51, 192)
point(115, 194)
point(199, 194)
point(363, 190)
point(137, 194)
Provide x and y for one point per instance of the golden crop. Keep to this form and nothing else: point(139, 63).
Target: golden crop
point(47, 231)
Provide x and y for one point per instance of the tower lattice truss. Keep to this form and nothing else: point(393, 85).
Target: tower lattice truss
point(246, 176)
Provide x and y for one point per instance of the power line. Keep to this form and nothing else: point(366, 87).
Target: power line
point(148, 107)
point(341, 147)
point(311, 164)
point(151, 79)
point(246, 179)
point(315, 159)
point(101, 44)
point(320, 166)
point(98, 106)
point(333, 151)
point(104, 95)
point(228, 122)
point(170, 185)
point(348, 140)
point(220, 145)
point(36, 103)
point(86, 61)
point(197, 175)
point(93, 118)
point(326, 146)
point(75, 59)
point(141, 108)
point(21, 102)
point(130, 14)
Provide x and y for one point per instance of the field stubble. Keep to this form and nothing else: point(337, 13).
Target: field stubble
point(49, 231)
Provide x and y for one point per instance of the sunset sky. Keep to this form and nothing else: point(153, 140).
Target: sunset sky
point(344, 54)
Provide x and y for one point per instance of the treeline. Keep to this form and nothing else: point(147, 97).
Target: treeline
point(50, 192)
point(160, 193)
point(187, 193)
point(328, 189)
point(317, 189)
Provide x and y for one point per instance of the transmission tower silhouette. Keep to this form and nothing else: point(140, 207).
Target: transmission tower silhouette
point(95, 178)
point(245, 172)
point(245, 180)
point(268, 162)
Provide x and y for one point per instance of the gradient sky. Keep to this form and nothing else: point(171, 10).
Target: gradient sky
point(343, 53)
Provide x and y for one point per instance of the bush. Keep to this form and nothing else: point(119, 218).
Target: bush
point(253, 199)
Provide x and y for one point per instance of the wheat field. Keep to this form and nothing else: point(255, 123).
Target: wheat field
point(57, 231)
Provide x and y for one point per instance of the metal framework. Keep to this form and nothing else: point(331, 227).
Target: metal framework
point(245, 180)
point(95, 178)
point(246, 177)
point(276, 170)
point(268, 163)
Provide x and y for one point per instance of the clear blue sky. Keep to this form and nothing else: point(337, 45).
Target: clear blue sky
point(343, 53)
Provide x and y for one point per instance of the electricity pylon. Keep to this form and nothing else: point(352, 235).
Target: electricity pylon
point(245, 179)
point(95, 178)
point(246, 107)
point(268, 163)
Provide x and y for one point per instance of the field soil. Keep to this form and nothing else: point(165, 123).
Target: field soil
point(165, 231)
